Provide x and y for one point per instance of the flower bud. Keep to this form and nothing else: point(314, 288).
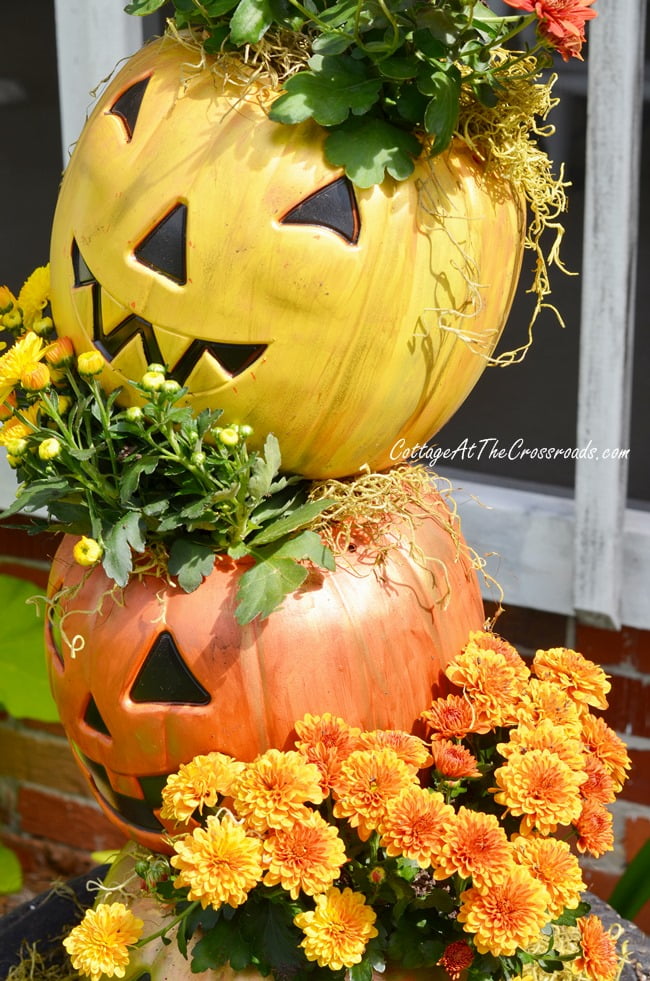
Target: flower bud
point(63, 404)
point(17, 448)
point(157, 369)
point(60, 353)
point(198, 458)
point(245, 431)
point(90, 363)
point(42, 326)
point(7, 300)
point(13, 319)
point(87, 551)
point(228, 436)
point(35, 377)
point(8, 407)
point(152, 381)
point(170, 386)
point(133, 413)
point(49, 449)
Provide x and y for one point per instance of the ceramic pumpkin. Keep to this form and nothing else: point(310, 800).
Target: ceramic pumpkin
point(191, 230)
point(158, 676)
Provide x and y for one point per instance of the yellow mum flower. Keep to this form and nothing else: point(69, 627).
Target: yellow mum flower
point(475, 846)
point(553, 864)
point(271, 791)
point(90, 363)
point(583, 680)
point(20, 428)
point(219, 863)
point(307, 856)
point(368, 780)
point(508, 914)
point(599, 960)
point(338, 930)
point(415, 825)
point(34, 294)
point(198, 784)
point(539, 787)
point(99, 945)
point(7, 300)
point(87, 552)
point(493, 685)
point(23, 354)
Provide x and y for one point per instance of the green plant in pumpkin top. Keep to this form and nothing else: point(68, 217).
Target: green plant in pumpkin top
point(151, 480)
point(384, 76)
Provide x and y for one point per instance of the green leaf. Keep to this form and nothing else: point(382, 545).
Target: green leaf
point(441, 115)
point(266, 466)
point(361, 972)
point(190, 562)
point(11, 876)
point(214, 949)
point(37, 495)
point(143, 7)
point(24, 686)
point(126, 534)
point(632, 890)
point(250, 21)
point(263, 587)
point(571, 916)
point(331, 44)
point(369, 148)
point(288, 523)
point(280, 938)
point(306, 545)
point(131, 476)
point(399, 68)
point(334, 87)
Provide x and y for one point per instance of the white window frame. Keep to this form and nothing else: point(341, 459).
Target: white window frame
point(586, 555)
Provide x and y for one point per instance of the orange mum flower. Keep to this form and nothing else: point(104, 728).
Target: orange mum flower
point(458, 956)
point(453, 761)
point(562, 22)
point(594, 827)
point(606, 745)
point(337, 931)
point(475, 845)
point(552, 863)
point(539, 787)
point(546, 700)
point(507, 915)
point(307, 856)
point(492, 684)
point(326, 741)
point(488, 641)
point(368, 780)
point(410, 749)
point(452, 718)
point(415, 825)
point(545, 735)
point(599, 959)
point(198, 784)
point(219, 863)
point(271, 791)
point(599, 784)
point(583, 680)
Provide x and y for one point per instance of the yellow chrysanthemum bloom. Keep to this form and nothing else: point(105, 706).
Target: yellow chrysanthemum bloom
point(198, 784)
point(20, 427)
point(599, 960)
point(540, 788)
point(272, 790)
point(545, 734)
point(494, 686)
point(583, 680)
point(90, 363)
point(306, 857)
point(410, 749)
point(99, 944)
point(415, 825)
point(475, 847)
point(34, 294)
point(338, 930)
point(7, 300)
point(508, 914)
point(219, 863)
point(553, 864)
point(368, 781)
point(87, 552)
point(24, 353)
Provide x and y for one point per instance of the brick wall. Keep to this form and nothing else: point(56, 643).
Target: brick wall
point(48, 817)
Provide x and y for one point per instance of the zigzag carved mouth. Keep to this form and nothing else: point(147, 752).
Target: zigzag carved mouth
point(232, 358)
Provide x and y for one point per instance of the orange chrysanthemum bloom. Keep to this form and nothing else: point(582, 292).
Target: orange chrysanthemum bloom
point(415, 825)
point(338, 930)
point(561, 22)
point(453, 717)
point(475, 845)
point(271, 791)
point(606, 745)
point(198, 784)
point(545, 734)
point(540, 788)
point(98, 946)
point(458, 956)
point(487, 641)
point(493, 685)
point(219, 863)
point(368, 780)
point(546, 700)
point(583, 680)
point(599, 784)
point(308, 856)
point(599, 960)
point(326, 741)
point(410, 749)
point(508, 914)
point(453, 761)
point(553, 864)
point(594, 827)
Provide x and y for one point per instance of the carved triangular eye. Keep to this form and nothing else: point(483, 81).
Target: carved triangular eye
point(334, 206)
point(82, 274)
point(165, 677)
point(127, 106)
point(163, 248)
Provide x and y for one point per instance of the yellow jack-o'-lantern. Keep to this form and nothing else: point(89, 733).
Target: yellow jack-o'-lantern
point(192, 231)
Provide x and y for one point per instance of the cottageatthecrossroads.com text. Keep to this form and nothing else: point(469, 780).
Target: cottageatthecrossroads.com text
point(491, 448)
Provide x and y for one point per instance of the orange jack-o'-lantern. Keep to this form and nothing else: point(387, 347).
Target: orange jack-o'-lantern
point(147, 679)
point(191, 230)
